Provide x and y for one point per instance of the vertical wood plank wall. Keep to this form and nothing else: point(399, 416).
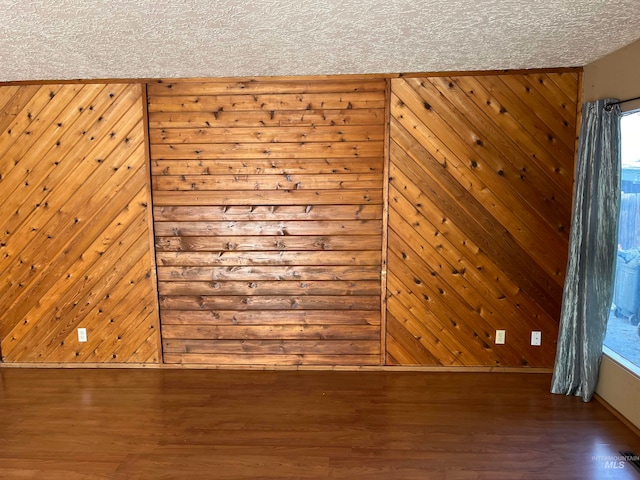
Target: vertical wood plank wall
point(269, 209)
point(480, 200)
point(74, 221)
point(268, 220)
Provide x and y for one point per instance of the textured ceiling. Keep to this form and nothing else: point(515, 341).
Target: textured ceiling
point(66, 39)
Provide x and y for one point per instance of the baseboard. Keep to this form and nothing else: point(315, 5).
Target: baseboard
point(80, 365)
point(618, 415)
point(373, 368)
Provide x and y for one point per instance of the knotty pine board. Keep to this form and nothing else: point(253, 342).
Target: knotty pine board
point(268, 206)
point(269, 218)
point(75, 245)
point(480, 185)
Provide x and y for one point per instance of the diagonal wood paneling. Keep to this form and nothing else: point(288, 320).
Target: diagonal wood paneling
point(268, 207)
point(479, 208)
point(75, 241)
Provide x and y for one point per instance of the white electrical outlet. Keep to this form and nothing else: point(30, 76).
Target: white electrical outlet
point(500, 337)
point(82, 334)
point(536, 338)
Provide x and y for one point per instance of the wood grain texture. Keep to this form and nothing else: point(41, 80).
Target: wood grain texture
point(268, 203)
point(273, 217)
point(479, 209)
point(247, 425)
point(74, 211)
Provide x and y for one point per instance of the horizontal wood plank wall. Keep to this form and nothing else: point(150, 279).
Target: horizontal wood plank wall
point(480, 200)
point(268, 220)
point(74, 221)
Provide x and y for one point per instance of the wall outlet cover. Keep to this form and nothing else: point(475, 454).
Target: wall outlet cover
point(82, 334)
point(536, 339)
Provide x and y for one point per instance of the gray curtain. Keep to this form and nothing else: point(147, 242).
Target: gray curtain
point(588, 288)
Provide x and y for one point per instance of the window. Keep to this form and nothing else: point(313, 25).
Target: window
point(623, 331)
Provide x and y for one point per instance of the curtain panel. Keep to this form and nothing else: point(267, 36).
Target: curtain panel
point(588, 288)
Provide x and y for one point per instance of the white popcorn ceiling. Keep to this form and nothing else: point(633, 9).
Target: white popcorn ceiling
point(86, 39)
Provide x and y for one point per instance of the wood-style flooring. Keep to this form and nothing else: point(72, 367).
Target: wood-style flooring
point(210, 424)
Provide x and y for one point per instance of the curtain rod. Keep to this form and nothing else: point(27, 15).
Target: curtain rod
point(609, 106)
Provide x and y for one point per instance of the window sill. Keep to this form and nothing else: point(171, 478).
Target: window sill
point(631, 367)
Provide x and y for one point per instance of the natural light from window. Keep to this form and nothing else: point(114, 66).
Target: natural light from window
point(623, 331)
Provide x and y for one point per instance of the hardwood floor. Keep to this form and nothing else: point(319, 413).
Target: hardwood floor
point(201, 424)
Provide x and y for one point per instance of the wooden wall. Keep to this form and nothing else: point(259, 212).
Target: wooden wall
point(480, 200)
point(74, 225)
point(270, 210)
point(268, 205)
